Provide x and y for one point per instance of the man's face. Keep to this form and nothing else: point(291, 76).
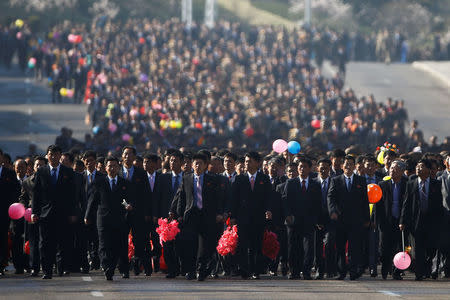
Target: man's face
point(388, 159)
point(251, 165)
point(422, 171)
point(273, 169)
point(447, 163)
point(65, 161)
point(240, 168)
point(324, 170)
point(149, 166)
point(395, 172)
point(229, 164)
point(360, 169)
point(433, 170)
point(138, 163)
point(128, 157)
point(112, 168)
point(349, 167)
point(20, 167)
point(187, 165)
point(304, 169)
point(265, 167)
point(175, 163)
point(37, 164)
point(370, 167)
point(101, 168)
point(291, 172)
point(89, 162)
point(199, 166)
point(214, 166)
point(53, 158)
point(336, 162)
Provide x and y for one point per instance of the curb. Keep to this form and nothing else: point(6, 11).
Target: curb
point(436, 74)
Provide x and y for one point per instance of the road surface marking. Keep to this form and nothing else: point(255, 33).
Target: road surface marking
point(97, 294)
point(86, 278)
point(389, 293)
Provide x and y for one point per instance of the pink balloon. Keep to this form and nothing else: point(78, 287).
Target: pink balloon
point(70, 93)
point(19, 35)
point(33, 60)
point(16, 211)
point(27, 214)
point(402, 260)
point(279, 146)
point(112, 127)
point(71, 38)
point(126, 137)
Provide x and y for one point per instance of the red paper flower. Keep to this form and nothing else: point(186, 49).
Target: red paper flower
point(26, 248)
point(271, 246)
point(130, 247)
point(228, 241)
point(167, 230)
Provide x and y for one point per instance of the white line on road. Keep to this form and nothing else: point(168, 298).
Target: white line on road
point(389, 293)
point(97, 294)
point(86, 278)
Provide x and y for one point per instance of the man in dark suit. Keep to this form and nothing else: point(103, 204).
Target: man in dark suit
point(443, 257)
point(421, 215)
point(387, 214)
point(325, 230)
point(110, 200)
point(250, 209)
point(25, 198)
point(302, 206)
point(10, 189)
point(337, 158)
point(348, 205)
point(54, 207)
point(198, 205)
point(136, 218)
point(90, 231)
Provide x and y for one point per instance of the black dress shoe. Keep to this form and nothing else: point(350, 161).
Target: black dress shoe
point(373, 273)
point(256, 276)
point(434, 275)
point(2, 272)
point(47, 276)
point(136, 269)
point(156, 264)
point(109, 277)
point(214, 276)
point(171, 275)
point(85, 271)
point(34, 273)
point(190, 276)
point(201, 277)
point(273, 274)
point(384, 276)
point(126, 275)
point(19, 271)
point(319, 277)
point(353, 277)
point(397, 277)
point(307, 277)
point(293, 276)
point(418, 278)
point(341, 277)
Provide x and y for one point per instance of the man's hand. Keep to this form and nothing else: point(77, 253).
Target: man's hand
point(334, 216)
point(219, 218)
point(401, 227)
point(290, 220)
point(87, 222)
point(171, 216)
point(268, 215)
point(72, 219)
point(34, 218)
point(319, 226)
point(128, 207)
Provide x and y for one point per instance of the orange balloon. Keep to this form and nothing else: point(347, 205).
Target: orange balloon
point(374, 193)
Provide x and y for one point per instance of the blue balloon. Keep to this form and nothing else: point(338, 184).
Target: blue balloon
point(95, 129)
point(294, 147)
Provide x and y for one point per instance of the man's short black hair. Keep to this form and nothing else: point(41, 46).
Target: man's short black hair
point(338, 153)
point(151, 157)
point(390, 153)
point(370, 158)
point(426, 162)
point(350, 157)
point(200, 156)
point(90, 153)
point(305, 160)
point(291, 165)
point(101, 160)
point(139, 158)
point(40, 158)
point(177, 154)
point(240, 160)
point(129, 147)
point(253, 155)
point(325, 161)
point(169, 152)
point(111, 158)
point(79, 163)
point(231, 155)
point(206, 153)
point(54, 148)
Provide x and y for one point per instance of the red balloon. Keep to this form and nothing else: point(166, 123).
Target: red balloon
point(374, 193)
point(315, 124)
point(249, 132)
point(141, 40)
point(78, 39)
point(198, 125)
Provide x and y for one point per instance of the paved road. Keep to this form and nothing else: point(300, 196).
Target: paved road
point(426, 98)
point(28, 116)
point(157, 287)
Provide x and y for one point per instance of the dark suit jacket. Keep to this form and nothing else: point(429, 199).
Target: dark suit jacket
point(106, 204)
point(54, 201)
point(26, 194)
point(411, 215)
point(10, 190)
point(351, 207)
point(305, 207)
point(445, 190)
point(277, 205)
point(324, 216)
point(383, 209)
point(137, 192)
point(212, 199)
point(249, 207)
point(157, 201)
point(88, 188)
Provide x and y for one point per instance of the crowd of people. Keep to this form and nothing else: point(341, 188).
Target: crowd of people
point(85, 206)
point(154, 84)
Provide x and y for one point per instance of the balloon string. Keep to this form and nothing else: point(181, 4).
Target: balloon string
point(403, 243)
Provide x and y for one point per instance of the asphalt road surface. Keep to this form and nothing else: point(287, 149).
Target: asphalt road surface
point(157, 287)
point(426, 98)
point(28, 116)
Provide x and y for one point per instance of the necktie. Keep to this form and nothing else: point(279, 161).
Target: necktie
point(176, 183)
point(324, 192)
point(90, 178)
point(199, 194)
point(303, 186)
point(113, 183)
point(152, 182)
point(423, 197)
point(54, 178)
point(128, 174)
point(252, 182)
point(349, 184)
point(395, 202)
